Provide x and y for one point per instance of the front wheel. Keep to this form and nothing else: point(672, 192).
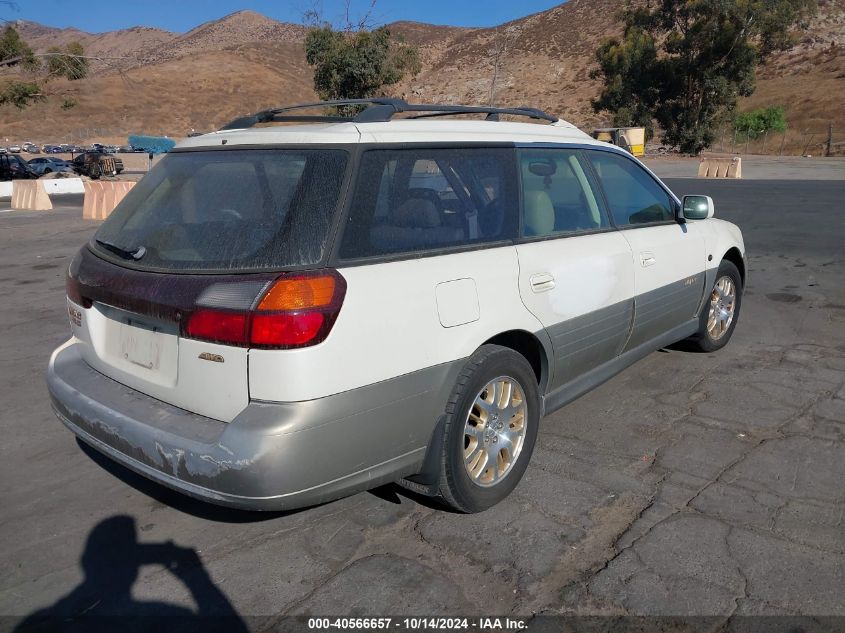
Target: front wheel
point(721, 311)
point(491, 427)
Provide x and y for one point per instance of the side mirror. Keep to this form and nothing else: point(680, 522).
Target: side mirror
point(698, 207)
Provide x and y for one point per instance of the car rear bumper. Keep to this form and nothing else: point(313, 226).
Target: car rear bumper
point(272, 455)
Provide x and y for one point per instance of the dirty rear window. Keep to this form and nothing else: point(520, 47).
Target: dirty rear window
point(228, 210)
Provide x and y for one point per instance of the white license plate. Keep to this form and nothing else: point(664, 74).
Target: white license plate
point(141, 345)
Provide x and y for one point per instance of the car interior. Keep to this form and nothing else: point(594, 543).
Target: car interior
point(421, 203)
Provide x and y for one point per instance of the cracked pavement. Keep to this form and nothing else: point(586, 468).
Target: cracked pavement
point(690, 484)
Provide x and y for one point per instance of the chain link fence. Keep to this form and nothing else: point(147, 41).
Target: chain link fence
point(817, 141)
point(89, 134)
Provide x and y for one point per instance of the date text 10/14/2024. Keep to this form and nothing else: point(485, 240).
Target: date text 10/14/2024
point(417, 624)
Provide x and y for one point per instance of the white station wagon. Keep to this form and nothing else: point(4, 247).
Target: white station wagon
point(277, 316)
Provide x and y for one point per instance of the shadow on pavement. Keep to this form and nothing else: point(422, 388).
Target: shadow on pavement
point(394, 493)
point(111, 563)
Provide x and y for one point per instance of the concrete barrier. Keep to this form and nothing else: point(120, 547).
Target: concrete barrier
point(63, 185)
point(29, 195)
point(720, 167)
point(52, 186)
point(102, 196)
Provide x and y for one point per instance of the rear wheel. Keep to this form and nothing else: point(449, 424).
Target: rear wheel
point(491, 426)
point(95, 172)
point(721, 311)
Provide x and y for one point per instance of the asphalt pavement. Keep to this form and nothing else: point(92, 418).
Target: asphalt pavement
point(690, 484)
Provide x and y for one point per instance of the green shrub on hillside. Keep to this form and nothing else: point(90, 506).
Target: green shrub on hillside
point(755, 123)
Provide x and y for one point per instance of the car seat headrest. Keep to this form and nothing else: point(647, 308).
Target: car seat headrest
point(539, 213)
point(417, 213)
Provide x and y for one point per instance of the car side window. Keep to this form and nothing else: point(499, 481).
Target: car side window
point(17, 166)
point(558, 195)
point(633, 195)
point(412, 200)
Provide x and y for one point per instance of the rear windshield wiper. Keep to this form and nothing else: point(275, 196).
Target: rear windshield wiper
point(135, 253)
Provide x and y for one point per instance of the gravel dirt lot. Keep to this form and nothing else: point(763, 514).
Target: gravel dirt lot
point(690, 484)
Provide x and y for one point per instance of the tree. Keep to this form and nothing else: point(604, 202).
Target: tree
point(69, 62)
point(631, 87)
point(15, 51)
point(357, 65)
point(20, 93)
point(685, 63)
point(28, 87)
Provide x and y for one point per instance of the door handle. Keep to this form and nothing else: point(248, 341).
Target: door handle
point(647, 259)
point(541, 282)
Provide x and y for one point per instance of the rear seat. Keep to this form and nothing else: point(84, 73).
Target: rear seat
point(415, 223)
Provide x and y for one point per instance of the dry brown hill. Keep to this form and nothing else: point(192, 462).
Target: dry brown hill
point(201, 91)
point(427, 35)
point(232, 31)
point(170, 83)
point(809, 81)
point(543, 61)
point(123, 48)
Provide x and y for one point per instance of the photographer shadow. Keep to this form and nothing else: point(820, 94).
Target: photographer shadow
point(111, 563)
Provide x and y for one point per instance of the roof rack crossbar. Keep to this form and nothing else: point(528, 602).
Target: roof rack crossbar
point(381, 109)
point(491, 112)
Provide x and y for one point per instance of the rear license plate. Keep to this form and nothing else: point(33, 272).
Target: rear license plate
point(141, 344)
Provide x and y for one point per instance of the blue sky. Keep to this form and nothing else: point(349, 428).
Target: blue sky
point(96, 16)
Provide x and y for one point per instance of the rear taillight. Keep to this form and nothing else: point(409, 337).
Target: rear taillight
point(74, 292)
point(296, 310)
point(286, 330)
point(219, 326)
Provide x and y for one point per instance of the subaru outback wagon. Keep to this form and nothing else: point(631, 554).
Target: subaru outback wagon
point(277, 316)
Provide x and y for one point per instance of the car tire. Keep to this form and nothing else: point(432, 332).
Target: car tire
point(48, 171)
point(720, 313)
point(474, 475)
point(94, 173)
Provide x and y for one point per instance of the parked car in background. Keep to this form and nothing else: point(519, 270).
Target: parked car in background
point(51, 148)
point(47, 165)
point(15, 149)
point(14, 167)
point(30, 148)
point(96, 164)
point(301, 312)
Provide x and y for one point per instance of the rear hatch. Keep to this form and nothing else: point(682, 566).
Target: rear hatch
point(203, 231)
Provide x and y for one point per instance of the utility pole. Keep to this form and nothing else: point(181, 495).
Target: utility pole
point(829, 149)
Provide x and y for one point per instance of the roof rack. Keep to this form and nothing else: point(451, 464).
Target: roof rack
point(379, 109)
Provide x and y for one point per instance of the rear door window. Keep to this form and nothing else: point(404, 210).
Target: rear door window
point(229, 210)
point(558, 194)
point(415, 200)
point(633, 195)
